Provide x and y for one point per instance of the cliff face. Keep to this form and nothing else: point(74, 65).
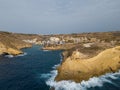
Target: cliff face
point(11, 43)
point(78, 66)
point(8, 49)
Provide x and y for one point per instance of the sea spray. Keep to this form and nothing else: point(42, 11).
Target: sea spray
point(84, 85)
point(54, 67)
point(9, 56)
point(45, 76)
point(20, 55)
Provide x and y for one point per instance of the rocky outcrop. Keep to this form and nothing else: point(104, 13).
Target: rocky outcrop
point(12, 43)
point(8, 49)
point(77, 67)
point(11, 49)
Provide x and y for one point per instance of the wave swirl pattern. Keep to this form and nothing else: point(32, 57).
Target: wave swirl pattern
point(84, 85)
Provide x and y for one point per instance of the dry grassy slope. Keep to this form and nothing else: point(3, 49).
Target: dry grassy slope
point(83, 69)
point(107, 36)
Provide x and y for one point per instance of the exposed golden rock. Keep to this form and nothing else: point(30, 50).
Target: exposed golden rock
point(9, 50)
point(77, 55)
point(14, 51)
point(83, 69)
point(11, 43)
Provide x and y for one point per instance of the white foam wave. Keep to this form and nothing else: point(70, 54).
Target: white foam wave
point(46, 50)
point(84, 85)
point(11, 56)
point(54, 67)
point(45, 76)
point(22, 54)
point(61, 57)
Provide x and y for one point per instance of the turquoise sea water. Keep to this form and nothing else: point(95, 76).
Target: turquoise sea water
point(35, 70)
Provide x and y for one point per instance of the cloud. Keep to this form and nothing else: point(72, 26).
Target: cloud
point(59, 16)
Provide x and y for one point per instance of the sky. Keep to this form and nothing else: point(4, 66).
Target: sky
point(59, 16)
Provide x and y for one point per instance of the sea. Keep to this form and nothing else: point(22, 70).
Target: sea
point(36, 70)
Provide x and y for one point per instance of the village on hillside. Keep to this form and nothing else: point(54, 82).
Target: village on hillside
point(73, 39)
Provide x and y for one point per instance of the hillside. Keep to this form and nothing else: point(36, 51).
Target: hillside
point(11, 43)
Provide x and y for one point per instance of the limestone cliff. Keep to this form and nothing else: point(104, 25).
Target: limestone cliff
point(8, 50)
point(78, 67)
point(11, 43)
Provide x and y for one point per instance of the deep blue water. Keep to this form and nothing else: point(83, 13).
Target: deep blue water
point(23, 72)
point(31, 71)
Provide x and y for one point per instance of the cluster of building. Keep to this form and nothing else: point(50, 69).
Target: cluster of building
point(53, 41)
point(80, 39)
point(60, 40)
point(32, 41)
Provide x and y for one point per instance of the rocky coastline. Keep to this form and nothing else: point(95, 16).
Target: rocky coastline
point(87, 55)
point(78, 66)
point(81, 61)
point(12, 49)
point(12, 43)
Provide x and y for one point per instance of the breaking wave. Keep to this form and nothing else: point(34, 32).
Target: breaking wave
point(84, 85)
point(11, 56)
point(45, 76)
point(22, 54)
point(55, 66)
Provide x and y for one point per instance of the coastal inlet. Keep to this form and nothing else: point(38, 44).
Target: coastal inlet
point(36, 70)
